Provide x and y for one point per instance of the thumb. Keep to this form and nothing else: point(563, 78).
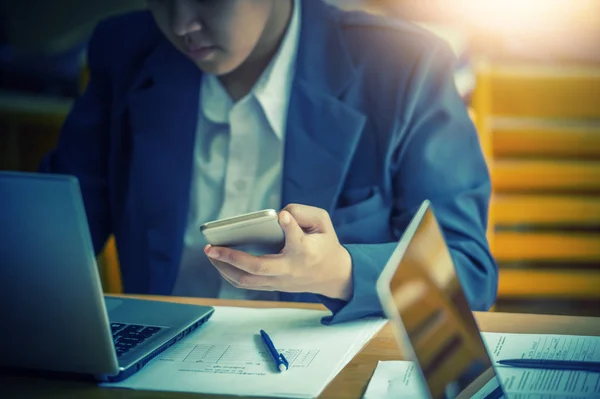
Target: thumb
point(293, 232)
point(310, 219)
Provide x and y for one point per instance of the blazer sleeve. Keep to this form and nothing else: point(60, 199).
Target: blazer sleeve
point(82, 148)
point(437, 157)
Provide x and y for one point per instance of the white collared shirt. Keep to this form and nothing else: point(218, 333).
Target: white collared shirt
point(238, 163)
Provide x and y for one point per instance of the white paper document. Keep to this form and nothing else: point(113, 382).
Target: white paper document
point(400, 379)
point(227, 356)
point(566, 383)
point(395, 379)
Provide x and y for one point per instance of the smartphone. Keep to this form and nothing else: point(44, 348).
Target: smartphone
point(256, 232)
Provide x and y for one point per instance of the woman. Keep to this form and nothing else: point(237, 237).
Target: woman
point(198, 110)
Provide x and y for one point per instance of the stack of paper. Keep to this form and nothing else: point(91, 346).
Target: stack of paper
point(227, 356)
point(400, 378)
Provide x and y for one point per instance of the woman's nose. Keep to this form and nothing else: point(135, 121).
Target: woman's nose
point(185, 18)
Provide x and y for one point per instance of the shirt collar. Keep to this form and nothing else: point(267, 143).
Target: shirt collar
point(215, 103)
point(272, 90)
point(274, 86)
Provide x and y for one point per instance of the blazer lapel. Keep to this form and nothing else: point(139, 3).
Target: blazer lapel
point(322, 131)
point(163, 112)
point(321, 138)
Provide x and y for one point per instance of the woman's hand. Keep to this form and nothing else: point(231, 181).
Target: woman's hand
point(312, 260)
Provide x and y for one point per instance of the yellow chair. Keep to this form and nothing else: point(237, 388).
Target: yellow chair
point(29, 127)
point(108, 264)
point(108, 259)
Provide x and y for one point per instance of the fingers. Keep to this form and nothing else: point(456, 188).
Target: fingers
point(293, 232)
point(310, 218)
point(241, 279)
point(255, 265)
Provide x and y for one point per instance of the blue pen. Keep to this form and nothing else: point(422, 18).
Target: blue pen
point(553, 364)
point(280, 361)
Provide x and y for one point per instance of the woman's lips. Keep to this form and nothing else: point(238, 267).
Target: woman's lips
point(202, 53)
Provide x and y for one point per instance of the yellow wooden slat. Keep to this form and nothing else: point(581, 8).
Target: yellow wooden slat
point(481, 108)
point(545, 91)
point(572, 284)
point(546, 139)
point(528, 176)
point(552, 247)
point(546, 210)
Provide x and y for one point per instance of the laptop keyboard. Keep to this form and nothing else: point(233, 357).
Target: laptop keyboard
point(128, 336)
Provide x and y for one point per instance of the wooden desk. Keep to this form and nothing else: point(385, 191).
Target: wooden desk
point(350, 383)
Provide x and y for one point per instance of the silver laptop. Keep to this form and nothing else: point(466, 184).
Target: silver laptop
point(429, 314)
point(54, 314)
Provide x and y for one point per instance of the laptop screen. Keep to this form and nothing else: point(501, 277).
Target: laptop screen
point(429, 313)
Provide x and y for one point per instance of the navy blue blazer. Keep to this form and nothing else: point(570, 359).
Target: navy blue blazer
point(375, 127)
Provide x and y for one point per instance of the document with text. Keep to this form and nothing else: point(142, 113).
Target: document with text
point(401, 378)
point(227, 356)
point(567, 383)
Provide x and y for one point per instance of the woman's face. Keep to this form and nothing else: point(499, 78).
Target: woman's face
point(218, 35)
